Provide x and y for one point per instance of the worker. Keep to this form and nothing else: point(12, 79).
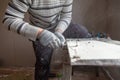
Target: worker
point(47, 29)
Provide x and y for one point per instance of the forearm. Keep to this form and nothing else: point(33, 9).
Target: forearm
point(62, 26)
point(65, 17)
point(14, 16)
point(22, 28)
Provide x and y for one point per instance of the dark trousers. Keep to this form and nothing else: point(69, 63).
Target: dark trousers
point(43, 54)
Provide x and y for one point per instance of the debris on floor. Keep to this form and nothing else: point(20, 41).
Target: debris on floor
point(84, 73)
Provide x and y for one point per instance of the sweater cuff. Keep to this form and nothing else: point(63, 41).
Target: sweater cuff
point(62, 26)
point(30, 32)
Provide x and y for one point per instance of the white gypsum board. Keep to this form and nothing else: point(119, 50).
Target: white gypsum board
point(92, 50)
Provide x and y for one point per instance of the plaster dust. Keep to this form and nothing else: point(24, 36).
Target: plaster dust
point(92, 50)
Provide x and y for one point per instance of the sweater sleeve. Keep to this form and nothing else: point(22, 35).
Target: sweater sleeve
point(66, 16)
point(14, 19)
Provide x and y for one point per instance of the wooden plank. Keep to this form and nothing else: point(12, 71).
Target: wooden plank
point(60, 64)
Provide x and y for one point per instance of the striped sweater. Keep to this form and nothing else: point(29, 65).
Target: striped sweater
point(46, 14)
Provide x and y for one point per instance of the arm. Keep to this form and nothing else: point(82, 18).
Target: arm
point(66, 16)
point(65, 19)
point(14, 19)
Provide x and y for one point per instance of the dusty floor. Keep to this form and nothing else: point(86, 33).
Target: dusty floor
point(27, 74)
point(89, 73)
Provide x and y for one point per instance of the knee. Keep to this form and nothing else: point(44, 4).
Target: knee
point(80, 30)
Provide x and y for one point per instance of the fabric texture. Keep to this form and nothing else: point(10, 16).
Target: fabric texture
point(46, 14)
point(43, 58)
point(76, 31)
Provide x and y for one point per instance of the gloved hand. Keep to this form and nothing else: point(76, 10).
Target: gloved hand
point(47, 38)
point(61, 37)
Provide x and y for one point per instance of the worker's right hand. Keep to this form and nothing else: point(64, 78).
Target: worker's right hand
point(47, 38)
point(61, 37)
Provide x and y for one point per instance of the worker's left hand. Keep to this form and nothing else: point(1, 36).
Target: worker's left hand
point(61, 37)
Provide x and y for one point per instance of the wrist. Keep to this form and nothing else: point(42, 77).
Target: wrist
point(39, 32)
point(59, 30)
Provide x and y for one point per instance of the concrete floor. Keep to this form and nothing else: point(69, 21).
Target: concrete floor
point(27, 74)
point(89, 73)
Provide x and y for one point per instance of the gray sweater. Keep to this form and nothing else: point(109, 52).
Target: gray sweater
point(46, 14)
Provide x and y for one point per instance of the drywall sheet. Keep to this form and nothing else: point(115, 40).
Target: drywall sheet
point(93, 51)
